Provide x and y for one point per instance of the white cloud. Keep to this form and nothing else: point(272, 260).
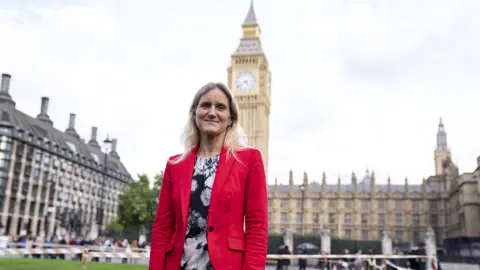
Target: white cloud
point(356, 85)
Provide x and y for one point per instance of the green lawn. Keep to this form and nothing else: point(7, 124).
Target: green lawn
point(39, 264)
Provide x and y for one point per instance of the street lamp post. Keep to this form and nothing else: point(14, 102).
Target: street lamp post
point(106, 143)
point(302, 189)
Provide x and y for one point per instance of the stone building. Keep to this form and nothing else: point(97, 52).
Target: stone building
point(49, 176)
point(360, 209)
point(250, 79)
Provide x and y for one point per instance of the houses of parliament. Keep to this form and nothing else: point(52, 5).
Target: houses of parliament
point(360, 209)
point(356, 208)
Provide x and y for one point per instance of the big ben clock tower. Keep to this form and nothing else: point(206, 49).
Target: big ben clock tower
point(249, 78)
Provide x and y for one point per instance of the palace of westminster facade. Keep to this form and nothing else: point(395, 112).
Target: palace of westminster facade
point(359, 208)
point(45, 172)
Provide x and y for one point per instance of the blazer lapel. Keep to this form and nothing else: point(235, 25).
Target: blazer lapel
point(223, 170)
point(186, 174)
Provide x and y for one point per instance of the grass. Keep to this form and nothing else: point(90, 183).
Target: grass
point(41, 264)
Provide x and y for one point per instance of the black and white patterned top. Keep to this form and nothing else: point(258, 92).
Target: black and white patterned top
point(195, 250)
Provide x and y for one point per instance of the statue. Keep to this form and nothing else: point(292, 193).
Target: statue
point(288, 239)
point(430, 236)
point(430, 246)
point(387, 242)
point(325, 240)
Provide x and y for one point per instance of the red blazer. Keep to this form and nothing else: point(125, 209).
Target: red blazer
point(239, 194)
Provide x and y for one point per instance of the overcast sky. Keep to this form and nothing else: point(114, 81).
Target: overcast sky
point(356, 84)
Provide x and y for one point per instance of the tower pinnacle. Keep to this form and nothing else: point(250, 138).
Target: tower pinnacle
point(251, 19)
point(441, 137)
point(250, 43)
point(251, 29)
point(442, 152)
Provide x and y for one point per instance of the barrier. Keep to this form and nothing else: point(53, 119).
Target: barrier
point(119, 255)
point(35, 251)
point(59, 246)
point(350, 256)
point(144, 255)
point(337, 259)
point(270, 257)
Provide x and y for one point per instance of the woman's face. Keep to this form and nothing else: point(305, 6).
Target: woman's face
point(212, 115)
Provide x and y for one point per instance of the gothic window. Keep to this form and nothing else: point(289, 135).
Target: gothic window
point(381, 219)
point(416, 220)
point(299, 217)
point(331, 203)
point(434, 220)
point(398, 204)
point(364, 219)
point(415, 205)
point(365, 204)
point(416, 237)
point(331, 218)
point(365, 235)
point(348, 204)
point(315, 217)
point(381, 204)
point(399, 235)
point(284, 217)
point(432, 205)
point(348, 234)
point(299, 203)
point(348, 218)
point(399, 219)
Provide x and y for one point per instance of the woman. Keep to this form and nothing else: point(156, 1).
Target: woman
point(212, 212)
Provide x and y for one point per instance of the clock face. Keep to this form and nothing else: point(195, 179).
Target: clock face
point(245, 81)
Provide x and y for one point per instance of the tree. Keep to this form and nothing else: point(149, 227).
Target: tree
point(115, 227)
point(138, 203)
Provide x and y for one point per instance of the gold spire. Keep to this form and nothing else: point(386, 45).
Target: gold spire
point(250, 25)
point(251, 19)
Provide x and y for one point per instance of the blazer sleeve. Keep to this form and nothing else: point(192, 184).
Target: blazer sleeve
point(256, 215)
point(163, 225)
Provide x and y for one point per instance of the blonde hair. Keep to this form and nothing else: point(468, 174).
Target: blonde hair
point(235, 138)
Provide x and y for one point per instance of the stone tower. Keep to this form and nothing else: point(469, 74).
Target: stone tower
point(442, 152)
point(249, 78)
